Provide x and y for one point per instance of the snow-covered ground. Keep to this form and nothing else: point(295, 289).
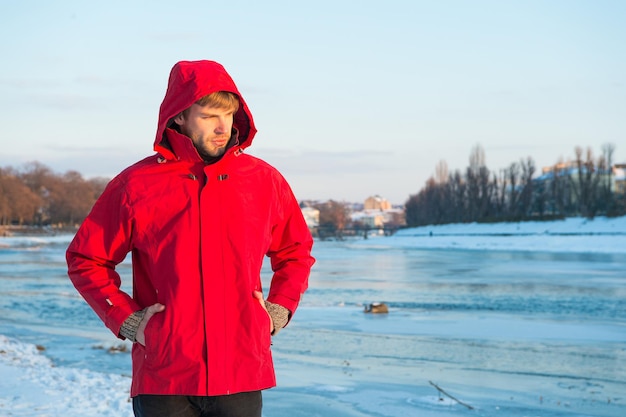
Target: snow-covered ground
point(580, 235)
point(31, 386)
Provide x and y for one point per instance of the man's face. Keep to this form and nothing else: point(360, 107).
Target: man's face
point(208, 127)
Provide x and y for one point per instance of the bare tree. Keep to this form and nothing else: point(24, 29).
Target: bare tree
point(608, 149)
point(43, 182)
point(18, 204)
point(458, 197)
point(525, 200)
point(441, 172)
point(72, 200)
point(334, 217)
point(586, 185)
point(500, 192)
point(477, 158)
point(513, 175)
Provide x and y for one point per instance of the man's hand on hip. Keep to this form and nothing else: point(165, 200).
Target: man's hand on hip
point(150, 311)
point(259, 296)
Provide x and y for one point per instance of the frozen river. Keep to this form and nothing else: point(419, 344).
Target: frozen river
point(513, 333)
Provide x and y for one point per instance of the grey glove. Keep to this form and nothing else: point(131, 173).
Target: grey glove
point(131, 324)
point(279, 314)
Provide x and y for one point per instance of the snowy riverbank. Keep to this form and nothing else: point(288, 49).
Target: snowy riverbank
point(577, 235)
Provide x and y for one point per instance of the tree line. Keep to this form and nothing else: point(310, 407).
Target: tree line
point(579, 187)
point(34, 195)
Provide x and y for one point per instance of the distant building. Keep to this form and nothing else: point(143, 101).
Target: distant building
point(378, 213)
point(616, 175)
point(311, 216)
point(376, 203)
point(619, 179)
point(373, 219)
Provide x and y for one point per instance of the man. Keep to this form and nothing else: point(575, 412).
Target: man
point(198, 218)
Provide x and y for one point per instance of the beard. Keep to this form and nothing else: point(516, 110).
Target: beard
point(205, 146)
point(211, 153)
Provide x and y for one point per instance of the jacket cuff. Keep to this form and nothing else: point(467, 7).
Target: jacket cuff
point(131, 325)
point(283, 301)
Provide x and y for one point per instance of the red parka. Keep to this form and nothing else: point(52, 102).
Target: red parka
point(198, 234)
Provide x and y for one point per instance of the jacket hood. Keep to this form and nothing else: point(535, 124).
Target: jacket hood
point(189, 81)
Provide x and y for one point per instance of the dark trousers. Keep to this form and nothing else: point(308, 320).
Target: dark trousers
point(244, 404)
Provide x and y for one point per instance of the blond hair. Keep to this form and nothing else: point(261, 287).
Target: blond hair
point(219, 100)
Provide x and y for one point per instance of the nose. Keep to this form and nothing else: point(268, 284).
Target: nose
point(221, 126)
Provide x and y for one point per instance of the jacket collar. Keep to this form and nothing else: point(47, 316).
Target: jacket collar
point(183, 148)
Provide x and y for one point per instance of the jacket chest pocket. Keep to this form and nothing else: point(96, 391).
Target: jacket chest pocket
point(165, 214)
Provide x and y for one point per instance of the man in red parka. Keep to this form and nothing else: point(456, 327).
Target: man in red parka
point(198, 218)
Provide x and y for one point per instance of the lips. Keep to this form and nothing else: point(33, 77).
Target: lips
point(220, 141)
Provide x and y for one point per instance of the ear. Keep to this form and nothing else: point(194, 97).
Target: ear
point(179, 119)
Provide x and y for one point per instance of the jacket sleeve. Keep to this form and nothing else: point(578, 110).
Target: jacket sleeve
point(290, 254)
point(101, 243)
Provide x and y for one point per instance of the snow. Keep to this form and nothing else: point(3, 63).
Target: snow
point(578, 235)
point(31, 385)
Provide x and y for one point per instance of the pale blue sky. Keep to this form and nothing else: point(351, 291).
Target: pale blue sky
point(351, 98)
